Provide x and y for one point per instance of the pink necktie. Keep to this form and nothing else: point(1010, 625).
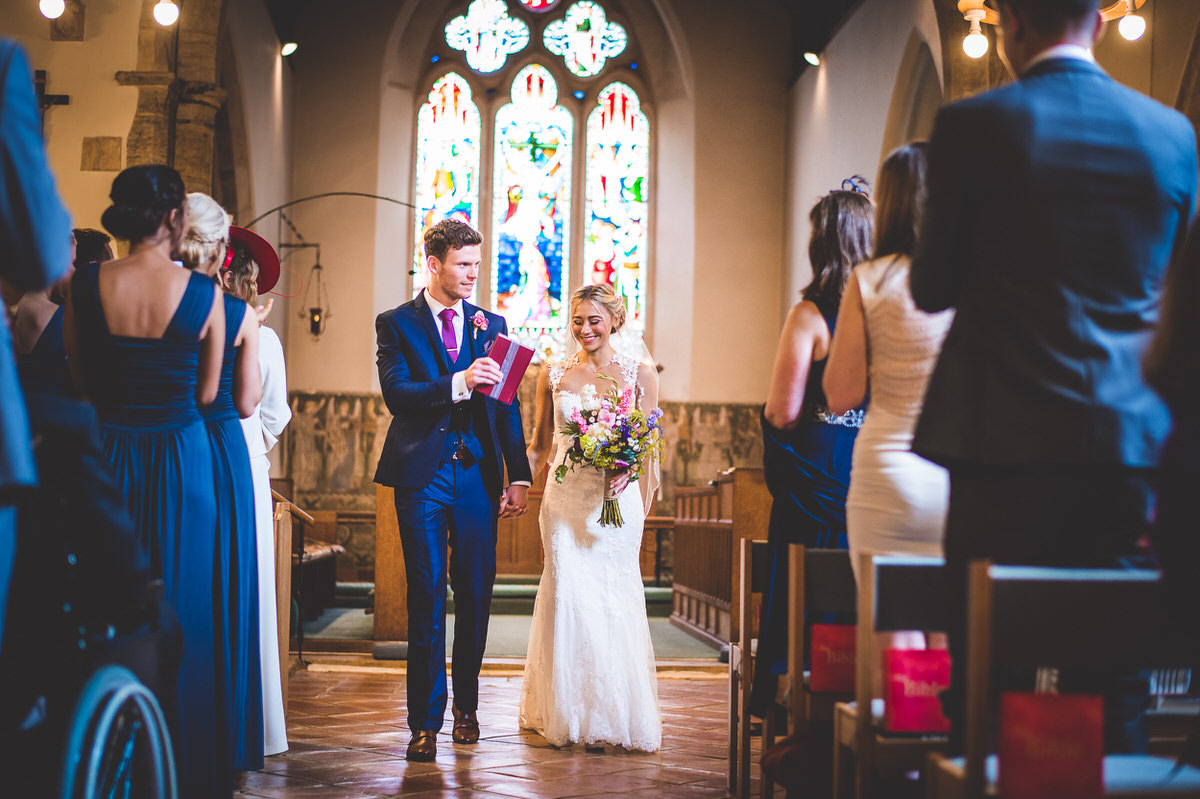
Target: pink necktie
point(447, 317)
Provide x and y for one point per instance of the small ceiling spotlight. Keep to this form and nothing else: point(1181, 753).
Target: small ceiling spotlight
point(288, 48)
point(52, 9)
point(813, 58)
point(1131, 25)
point(975, 43)
point(166, 13)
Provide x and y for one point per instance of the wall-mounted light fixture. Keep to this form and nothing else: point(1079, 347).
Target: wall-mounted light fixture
point(812, 58)
point(166, 13)
point(315, 305)
point(975, 43)
point(52, 9)
point(288, 48)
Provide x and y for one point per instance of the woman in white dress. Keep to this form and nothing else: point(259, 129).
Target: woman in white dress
point(897, 500)
point(247, 278)
point(590, 675)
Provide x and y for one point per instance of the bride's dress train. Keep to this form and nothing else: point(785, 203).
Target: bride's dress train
point(590, 674)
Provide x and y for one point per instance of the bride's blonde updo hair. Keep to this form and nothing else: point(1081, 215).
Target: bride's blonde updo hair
point(603, 295)
point(208, 232)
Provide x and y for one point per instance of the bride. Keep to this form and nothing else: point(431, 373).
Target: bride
point(590, 675)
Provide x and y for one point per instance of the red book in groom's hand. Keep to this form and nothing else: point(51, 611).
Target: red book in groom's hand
point(514, 359)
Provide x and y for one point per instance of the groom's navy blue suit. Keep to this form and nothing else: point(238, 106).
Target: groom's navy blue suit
point(442, 499)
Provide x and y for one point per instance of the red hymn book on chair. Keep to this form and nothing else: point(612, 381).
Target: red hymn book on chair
point(915, 678)
point(831, 662)
point(1051, 746)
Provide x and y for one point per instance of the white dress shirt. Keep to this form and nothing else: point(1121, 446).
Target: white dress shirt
point(1066, 50)
point(458, 383)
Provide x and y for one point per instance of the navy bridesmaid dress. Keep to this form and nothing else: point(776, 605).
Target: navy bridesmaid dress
point(144, 390)
point(43, 369)
point(237, 551)
point(807, 471)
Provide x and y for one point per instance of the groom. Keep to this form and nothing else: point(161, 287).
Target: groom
point(445, 454)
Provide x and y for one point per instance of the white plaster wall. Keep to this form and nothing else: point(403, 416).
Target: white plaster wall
point(839, 115)
point(265, 86)
point(84, 71)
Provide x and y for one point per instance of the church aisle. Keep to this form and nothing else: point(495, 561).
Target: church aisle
point(348, 738)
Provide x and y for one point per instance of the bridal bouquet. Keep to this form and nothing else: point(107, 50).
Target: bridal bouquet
point(609, 433)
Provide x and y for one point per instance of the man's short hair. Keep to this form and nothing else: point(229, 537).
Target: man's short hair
point(449, 234)
point(1052, 16)
point(91, 245)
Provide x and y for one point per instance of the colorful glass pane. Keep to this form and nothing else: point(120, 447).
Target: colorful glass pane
point(531, 205)
point(539, 5)
point(487, 35)
point(618, 167)
point(585, 38)
point(448, 126)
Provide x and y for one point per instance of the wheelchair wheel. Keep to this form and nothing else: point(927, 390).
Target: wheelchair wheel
point(117, 742)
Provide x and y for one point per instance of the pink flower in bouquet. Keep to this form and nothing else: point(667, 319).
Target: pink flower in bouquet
point(578, 419)
point(626, 401)
point(606, 417)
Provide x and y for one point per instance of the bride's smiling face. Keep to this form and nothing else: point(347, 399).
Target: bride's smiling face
point(591, 325)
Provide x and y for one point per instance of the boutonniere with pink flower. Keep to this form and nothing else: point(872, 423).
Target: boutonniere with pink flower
point(480, 322)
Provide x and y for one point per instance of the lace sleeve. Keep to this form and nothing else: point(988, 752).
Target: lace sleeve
point(629, 375)
point(556, 372)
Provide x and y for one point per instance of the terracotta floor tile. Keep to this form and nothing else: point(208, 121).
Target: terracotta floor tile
point(348, 736)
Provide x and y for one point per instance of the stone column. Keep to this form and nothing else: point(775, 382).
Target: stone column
point(194, 127)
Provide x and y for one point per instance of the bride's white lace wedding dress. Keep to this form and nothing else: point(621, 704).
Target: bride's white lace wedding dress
point(589, 674)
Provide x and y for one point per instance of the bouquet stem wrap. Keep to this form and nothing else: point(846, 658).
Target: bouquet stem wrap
point(610, 515)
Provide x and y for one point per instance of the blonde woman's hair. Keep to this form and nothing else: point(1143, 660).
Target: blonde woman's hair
point(208, 232)
point(603, 295)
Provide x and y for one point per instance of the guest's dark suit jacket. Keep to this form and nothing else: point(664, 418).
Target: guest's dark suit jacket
point(415, 375)
point(1055, 204)
point(35, 241)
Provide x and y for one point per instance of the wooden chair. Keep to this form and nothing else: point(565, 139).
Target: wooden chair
point(895, 594)
point(820, 581)
point(1068, 618)
point(754, 571)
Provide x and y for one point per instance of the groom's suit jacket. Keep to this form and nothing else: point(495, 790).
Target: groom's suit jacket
point(1054, 206)
point(415, 375)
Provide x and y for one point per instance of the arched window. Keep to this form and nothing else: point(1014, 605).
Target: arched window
point(447, 161)
point(554, 79)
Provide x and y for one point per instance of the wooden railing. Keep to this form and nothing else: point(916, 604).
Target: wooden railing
point(710, 522)
point(286, 516)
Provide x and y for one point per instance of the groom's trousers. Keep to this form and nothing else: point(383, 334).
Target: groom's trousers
point(456, 512)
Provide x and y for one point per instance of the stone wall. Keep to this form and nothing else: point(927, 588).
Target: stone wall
point(332, 445)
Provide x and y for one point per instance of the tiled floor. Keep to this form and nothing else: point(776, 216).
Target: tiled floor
point(348, 736)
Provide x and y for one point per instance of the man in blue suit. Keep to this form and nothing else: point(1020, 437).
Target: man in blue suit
point(1054, 206)
point(445, 455)
point(35, 240)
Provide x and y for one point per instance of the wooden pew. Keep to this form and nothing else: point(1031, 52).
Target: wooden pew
point(1025, 617)
point(753, 573)
point(710, 523)
point(286, 516)
point(895, 594)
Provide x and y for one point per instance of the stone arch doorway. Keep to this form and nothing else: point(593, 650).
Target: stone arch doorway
point(916, 98)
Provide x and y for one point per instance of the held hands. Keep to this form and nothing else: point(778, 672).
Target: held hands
point(483, 372)
point(514, 502)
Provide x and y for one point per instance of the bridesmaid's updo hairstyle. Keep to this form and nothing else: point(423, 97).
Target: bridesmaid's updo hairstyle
point(603, 295)
point(842, 229)
point(208, 232)
point(241, 278)
point(142, 197)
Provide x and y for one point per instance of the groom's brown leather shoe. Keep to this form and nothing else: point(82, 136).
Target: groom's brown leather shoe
point(466, 727)
point(423, 747)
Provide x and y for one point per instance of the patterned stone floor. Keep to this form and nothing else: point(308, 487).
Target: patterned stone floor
point(348, 736)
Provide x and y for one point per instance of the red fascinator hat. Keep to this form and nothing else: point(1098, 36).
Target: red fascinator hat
point(263, 254)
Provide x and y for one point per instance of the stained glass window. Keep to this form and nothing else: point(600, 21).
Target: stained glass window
point(618, 164)
point(539, 5)
point(487, 35)
point(531, 203)
point(585, 38)
point(447, 163)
